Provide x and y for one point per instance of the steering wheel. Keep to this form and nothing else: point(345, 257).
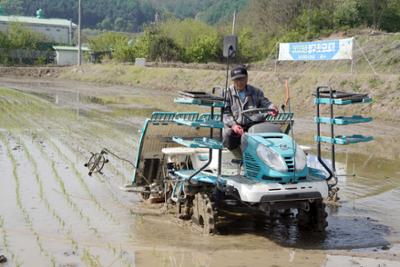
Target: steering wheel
point(253, 111)
point(256, 114)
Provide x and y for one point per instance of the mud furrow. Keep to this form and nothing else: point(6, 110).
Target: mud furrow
point(14, 257)
point(84, 185)
point(100, 233)
point(85, 243)
point(116, 252)
point(71, 131)
point(42, 194)
point(11, 110)
point(64, 192)
point(43, 198)
point(27, 218)
point(55, 173)
point(105, 231)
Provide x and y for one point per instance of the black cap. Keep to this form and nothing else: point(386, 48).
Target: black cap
point(238, 72)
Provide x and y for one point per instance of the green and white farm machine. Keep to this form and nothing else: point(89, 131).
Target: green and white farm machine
point(181, 160)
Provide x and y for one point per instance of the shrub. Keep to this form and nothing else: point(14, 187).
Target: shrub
point(124, 52)
point(206, 48)
point(4, 42)
point(107, 41)
point(22, 38)
point(250, 48)
point(163, 48)
point(185, 32)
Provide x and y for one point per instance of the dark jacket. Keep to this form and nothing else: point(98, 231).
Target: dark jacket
point(254, 99)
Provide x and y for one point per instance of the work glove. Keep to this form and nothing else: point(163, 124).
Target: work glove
point(237, 129)
point(274, 111)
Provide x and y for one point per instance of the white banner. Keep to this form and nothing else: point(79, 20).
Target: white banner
point(320, 50)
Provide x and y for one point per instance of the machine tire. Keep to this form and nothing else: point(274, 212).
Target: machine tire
point(184, 209)
point(319, 215)
point(314, 218)
point(145, 194)
point(204, 213)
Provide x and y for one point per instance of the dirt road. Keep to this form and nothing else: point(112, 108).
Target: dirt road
point(53, 214)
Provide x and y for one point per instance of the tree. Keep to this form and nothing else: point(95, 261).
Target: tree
point(22, 38)
point(119, 24)
point(12, 7)
point(391, 17)
point(163, 48)
point(106, 24)
point(347, 13)
point(372, 11)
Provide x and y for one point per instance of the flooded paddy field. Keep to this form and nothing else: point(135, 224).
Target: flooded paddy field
point(53, 214)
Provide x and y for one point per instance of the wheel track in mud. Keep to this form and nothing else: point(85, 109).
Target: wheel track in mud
point(25, 214)
point(115, 251)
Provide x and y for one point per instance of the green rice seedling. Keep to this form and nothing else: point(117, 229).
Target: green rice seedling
point(30, 119)
point(14, 257)
point(25, 214)
point(39, 182)
point(89, 259)
point(20, 117)
point(82, 182)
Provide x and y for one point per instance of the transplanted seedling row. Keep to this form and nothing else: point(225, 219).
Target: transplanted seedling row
point(25, 213)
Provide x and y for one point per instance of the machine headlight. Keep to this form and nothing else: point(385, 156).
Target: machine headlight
point(300, 159)
point(271, 158)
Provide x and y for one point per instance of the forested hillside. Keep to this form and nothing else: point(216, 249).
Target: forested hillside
point(126, 15)
point(193, 30)
point(262, 15)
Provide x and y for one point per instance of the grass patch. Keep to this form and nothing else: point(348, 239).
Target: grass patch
point(375, 83)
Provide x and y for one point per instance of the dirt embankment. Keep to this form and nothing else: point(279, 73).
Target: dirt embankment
point(34, 72)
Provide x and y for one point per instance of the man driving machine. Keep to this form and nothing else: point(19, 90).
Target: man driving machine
point(242, 97)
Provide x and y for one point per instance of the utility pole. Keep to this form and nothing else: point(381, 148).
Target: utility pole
point(234, 22)
point(79, 33)
point(308, 22)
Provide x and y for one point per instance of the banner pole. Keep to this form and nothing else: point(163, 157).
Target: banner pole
point(352, 55)
point(352, 66)
point(365, 56)
point(276, 56)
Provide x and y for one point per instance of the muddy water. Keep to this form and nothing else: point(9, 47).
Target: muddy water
point(53, 214)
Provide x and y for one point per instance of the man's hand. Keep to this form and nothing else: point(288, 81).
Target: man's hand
point(274, 111)
point(237, 129)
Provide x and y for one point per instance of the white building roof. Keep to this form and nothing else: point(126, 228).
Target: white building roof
point(70, 48)
point(34, 20)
